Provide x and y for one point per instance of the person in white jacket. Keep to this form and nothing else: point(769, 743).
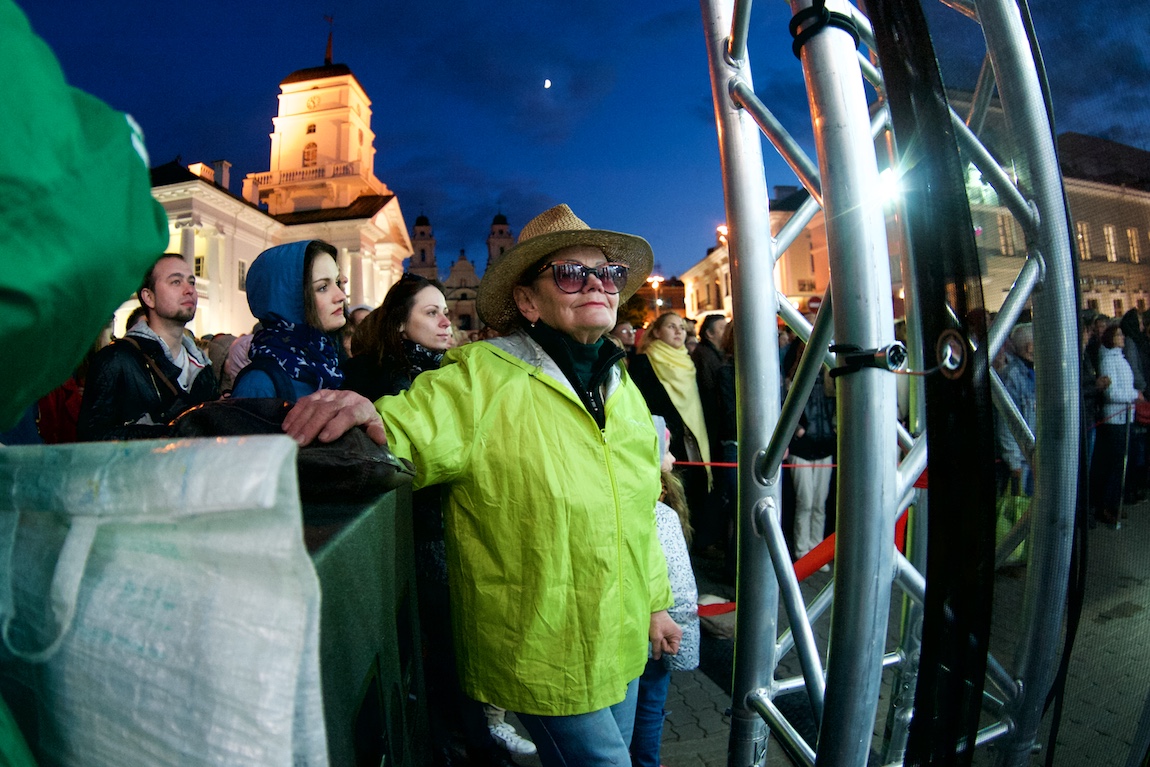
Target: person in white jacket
point(1117, 412)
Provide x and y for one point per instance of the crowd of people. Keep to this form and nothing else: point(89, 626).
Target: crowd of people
point(553, 540)
point(550, 310)
point(1114, 361)
point(1114, 364)
point(547, 536)
point(543, 592)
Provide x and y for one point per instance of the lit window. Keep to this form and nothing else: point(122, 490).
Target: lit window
point(310, 155)
point(1111, 239)
point(242, 275)
point(1135, 244)
point(311, 128)
point(1083, 240)
point(1119, 308)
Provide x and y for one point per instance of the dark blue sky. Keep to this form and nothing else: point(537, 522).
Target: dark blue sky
point(464, 127)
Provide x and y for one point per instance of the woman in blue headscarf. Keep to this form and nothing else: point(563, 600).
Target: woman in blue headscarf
point(296, 292)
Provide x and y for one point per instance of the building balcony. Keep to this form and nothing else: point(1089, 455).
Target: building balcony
point(306, 175)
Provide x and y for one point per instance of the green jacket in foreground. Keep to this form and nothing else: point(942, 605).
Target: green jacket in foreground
point(78, 225)
point(553, 560)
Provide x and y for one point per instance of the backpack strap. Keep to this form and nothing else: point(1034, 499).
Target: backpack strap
point(152, 366)
point(279, 377)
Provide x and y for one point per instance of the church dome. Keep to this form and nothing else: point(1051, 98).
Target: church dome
point(499, 220)
point(422, 220)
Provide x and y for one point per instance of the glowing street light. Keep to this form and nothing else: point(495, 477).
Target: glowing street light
point(655, 281)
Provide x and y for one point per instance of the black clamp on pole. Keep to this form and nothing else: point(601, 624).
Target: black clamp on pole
point(810, 21)
point(854, 358)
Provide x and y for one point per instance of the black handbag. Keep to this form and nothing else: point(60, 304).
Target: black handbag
point(351, 468)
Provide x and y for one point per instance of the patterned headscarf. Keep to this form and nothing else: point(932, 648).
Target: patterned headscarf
point(305, 353)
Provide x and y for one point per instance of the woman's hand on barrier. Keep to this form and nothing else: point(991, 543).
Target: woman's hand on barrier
point(328, 414)
point(665, 634)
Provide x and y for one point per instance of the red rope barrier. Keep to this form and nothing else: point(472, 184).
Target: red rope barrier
point(1130, 413)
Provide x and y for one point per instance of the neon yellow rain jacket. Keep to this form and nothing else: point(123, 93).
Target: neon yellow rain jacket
point(553, 560)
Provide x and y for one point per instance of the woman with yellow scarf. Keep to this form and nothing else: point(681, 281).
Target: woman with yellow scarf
point(665, 375)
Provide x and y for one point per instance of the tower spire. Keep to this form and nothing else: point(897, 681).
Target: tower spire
point(330, 28)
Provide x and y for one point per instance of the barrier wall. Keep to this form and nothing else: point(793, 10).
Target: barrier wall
point(369, 632)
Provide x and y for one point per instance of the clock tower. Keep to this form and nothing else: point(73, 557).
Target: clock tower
point(323, 151)
point(423, 250)
point(322, 184)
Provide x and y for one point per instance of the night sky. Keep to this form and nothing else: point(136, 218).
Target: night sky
point(465, 128)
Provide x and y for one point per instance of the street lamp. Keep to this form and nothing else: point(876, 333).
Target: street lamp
point(655, 281)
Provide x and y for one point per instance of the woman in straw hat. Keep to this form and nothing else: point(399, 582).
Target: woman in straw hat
point(549, 458)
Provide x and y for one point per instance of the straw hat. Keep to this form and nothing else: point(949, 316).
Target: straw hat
point(548, 232)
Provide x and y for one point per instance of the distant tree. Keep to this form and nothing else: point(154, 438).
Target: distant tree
point(634, 311)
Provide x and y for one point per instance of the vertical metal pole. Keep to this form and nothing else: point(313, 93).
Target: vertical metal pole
point(1056, 449)
point(860, 269)
point(910, 638)
point(757, 380)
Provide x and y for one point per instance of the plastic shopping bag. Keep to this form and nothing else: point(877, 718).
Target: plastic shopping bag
point(1009, 509)
point(157, 605)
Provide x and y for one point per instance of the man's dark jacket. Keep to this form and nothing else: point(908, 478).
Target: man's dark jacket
point(122, 388)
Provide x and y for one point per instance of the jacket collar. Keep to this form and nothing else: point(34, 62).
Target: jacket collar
point(522, 347)
point(142, 330)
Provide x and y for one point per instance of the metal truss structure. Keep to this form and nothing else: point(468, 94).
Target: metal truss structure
point(946, 686)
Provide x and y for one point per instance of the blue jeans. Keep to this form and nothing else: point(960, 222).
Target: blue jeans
point(598, 739)
point(649, 714)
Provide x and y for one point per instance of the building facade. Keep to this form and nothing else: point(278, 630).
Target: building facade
point(801, 272)
point(1108, 189)
point(1108, 195)
point(460, 289)
point(321, 185)
point(1112, 230)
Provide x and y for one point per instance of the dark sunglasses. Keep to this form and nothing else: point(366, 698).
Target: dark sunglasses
point(571, 276)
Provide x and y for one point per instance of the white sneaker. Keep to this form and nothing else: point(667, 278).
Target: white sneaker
point(506, 736)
